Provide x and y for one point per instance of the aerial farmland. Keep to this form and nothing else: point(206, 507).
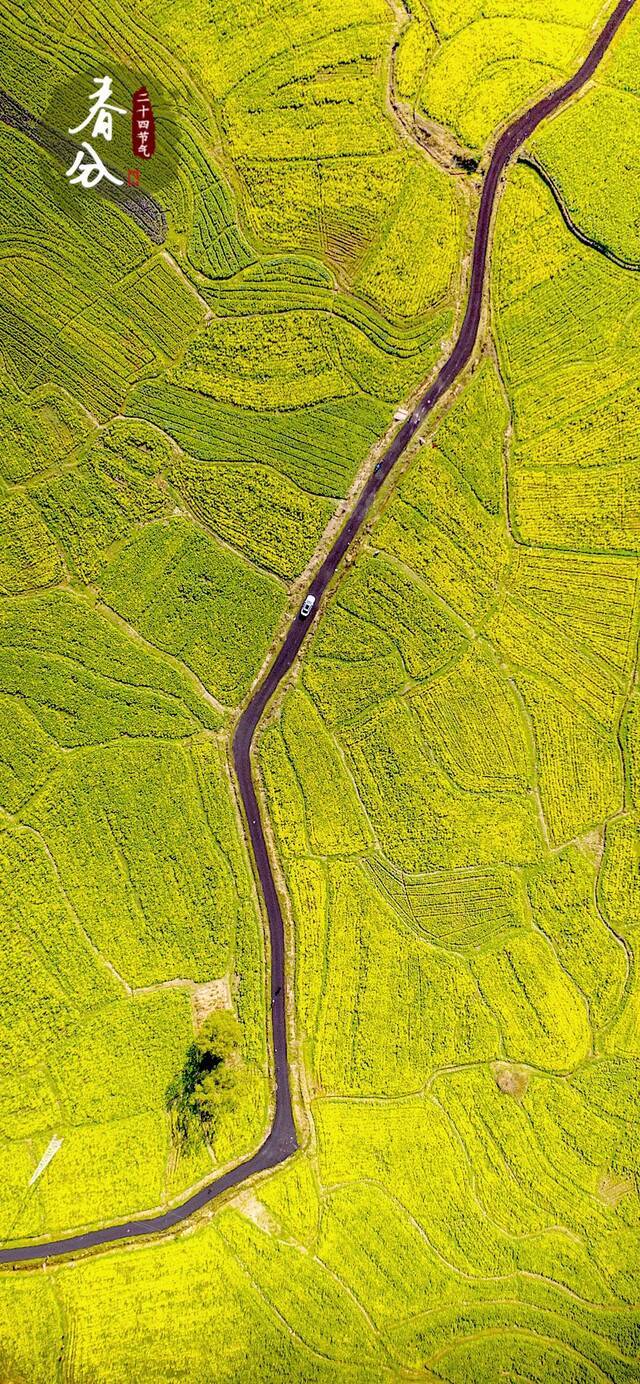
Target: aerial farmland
point(320, 717)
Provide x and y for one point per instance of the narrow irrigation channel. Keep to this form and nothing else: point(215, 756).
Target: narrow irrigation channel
point(282, 1140)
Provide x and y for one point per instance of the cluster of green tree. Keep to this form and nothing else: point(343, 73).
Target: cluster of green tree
point(207, 1083)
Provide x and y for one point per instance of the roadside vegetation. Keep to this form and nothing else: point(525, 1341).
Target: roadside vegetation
point(209, 1081)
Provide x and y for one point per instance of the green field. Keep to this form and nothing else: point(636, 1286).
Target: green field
point(451, 775)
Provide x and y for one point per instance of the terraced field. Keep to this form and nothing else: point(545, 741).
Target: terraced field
point(450, 779)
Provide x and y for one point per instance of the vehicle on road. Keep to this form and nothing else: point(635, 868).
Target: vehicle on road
point(307, 607)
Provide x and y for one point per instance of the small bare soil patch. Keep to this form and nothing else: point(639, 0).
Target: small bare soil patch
point(593, 844)
point(511, 1080)
point(612, 1187)
point(214, 994)
point(249, 1205)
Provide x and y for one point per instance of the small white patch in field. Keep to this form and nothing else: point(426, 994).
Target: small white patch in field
point(48, 1154)
point(248, 1205)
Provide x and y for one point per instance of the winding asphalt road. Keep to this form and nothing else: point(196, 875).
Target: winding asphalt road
point(282, 1141)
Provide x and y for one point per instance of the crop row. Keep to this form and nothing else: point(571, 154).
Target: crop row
point(472, 717)
point(258, 511)
point(459, 911)
point(29, 558)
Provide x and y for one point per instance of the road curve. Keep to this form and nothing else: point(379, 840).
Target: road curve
point(282, 1141)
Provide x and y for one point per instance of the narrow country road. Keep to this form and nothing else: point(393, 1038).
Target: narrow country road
point(281, 1141)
